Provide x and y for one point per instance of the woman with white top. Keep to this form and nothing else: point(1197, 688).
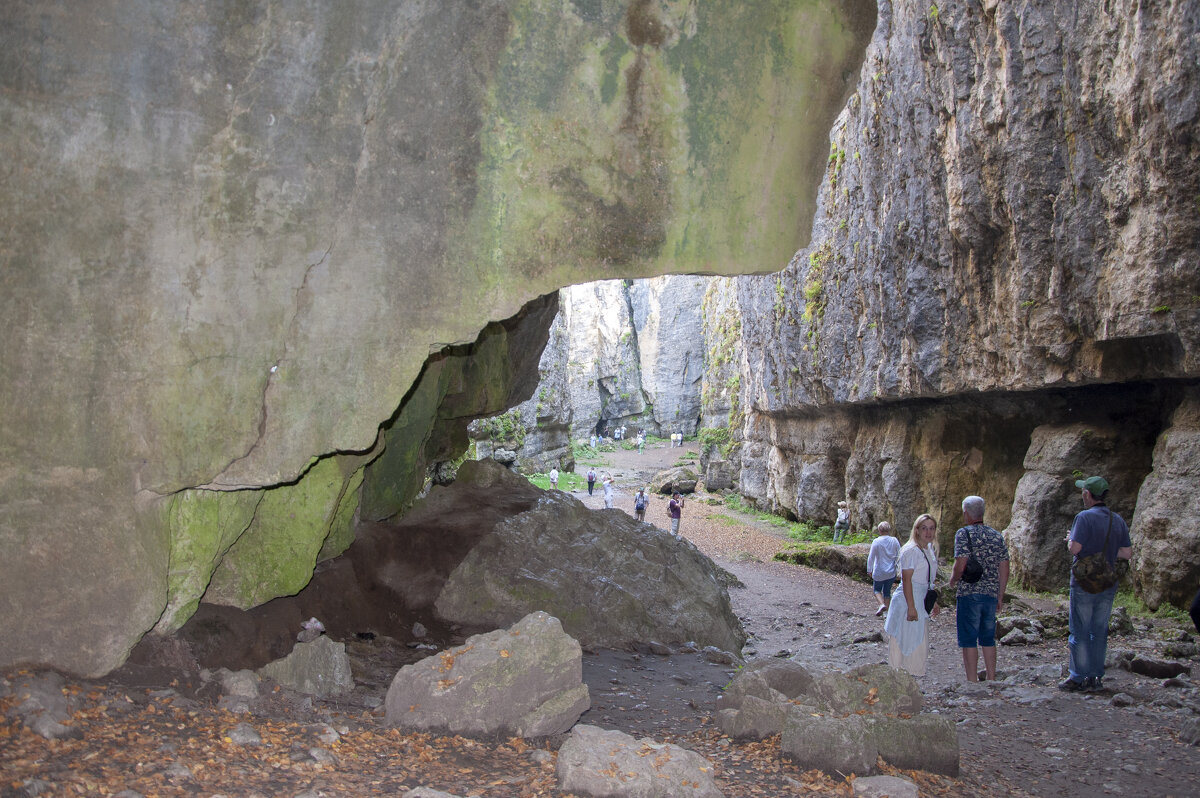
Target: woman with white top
point(908, 643)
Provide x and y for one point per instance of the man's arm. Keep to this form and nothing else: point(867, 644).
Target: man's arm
point(1125, 553)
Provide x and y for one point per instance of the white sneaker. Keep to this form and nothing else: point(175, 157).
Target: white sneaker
point(880, 611)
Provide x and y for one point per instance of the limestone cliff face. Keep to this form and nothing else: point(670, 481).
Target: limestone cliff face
point(621, 353)
point(235, 233)
point(535, 434)
point(1003, 287)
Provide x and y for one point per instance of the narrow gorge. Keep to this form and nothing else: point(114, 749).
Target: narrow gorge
point(263, 267)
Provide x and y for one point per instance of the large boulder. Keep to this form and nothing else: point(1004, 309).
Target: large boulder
point(681, 479)
point(320, 667)
point(526, 680)
point(1047, 500)
point(612, 580)
point(1166, 553)
point(839, 722)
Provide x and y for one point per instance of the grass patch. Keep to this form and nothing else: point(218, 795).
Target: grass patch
point(1138, 609)
point(567, 481)
point(724, 520)
point(824, 557)
point(797, 531)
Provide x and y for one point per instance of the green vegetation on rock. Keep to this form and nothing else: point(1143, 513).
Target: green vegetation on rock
point(276, 554)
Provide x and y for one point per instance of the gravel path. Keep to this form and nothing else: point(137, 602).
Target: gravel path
point(1018, 736)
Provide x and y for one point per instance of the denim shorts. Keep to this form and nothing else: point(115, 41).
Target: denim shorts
point(976, 618)
point(885, 587)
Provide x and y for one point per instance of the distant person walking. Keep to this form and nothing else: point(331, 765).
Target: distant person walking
point(881, 564)
point(979, 601)
point(1096, 529)
point(842, 525)
point(908, 641)
point(591, 479)
point(554, 478)
point(607, 481)
point(675, 509)
point(641, 442)
point(639, 504)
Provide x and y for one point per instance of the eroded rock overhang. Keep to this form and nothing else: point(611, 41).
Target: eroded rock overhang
point(235, 234)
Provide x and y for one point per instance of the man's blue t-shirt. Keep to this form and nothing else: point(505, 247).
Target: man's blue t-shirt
point(1089, 529)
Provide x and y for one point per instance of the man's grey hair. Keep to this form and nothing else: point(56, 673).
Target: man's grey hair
point(973, 507)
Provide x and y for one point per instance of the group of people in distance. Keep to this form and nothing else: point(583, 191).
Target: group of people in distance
point(980, 597)
point(641, 499)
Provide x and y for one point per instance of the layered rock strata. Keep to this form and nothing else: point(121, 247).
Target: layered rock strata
point(1002, 289)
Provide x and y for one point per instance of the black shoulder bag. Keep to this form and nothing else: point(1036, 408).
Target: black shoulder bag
point(931, 594)
point(973, 571)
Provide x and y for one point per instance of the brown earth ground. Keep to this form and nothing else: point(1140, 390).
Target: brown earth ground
point(159, 732)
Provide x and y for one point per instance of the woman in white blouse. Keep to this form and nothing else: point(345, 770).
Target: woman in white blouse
point(908, 645)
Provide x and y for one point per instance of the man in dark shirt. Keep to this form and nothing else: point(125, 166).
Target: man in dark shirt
point(979, 602)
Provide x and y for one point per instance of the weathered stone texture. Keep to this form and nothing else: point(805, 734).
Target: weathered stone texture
point(525, 680)
point(1007, 235)
point(1045, 503)
point(1166, 554)
point(610, 579)
point(234, 235)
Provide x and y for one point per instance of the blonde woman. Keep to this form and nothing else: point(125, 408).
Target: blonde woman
point(908, 643)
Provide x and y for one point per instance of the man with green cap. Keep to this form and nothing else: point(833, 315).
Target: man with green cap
point(1095, 529)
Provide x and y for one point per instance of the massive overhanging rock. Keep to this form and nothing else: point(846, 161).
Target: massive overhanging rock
point(234, 235)
point(1006, 241)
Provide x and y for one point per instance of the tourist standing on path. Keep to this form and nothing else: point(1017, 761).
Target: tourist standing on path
point(641, 442)
point(607, 481)
point(639, 504)
point(554, 478)
point(908, 643)
point(675, 508)
point(981, 601)
point(591, 478)
point(1095, 529)
point(842, 525)
point(881, 564)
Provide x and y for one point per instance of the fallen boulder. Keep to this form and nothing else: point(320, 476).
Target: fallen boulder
point(681, 479)
point(319, 668)
point(832, 745)
point(613, 581)
point(611, 764)
point(1158, 668)
point(839, 722)
point(526, 681)
point(43, 705)
point(838, 559)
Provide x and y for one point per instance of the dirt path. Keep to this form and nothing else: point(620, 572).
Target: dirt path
point(1019, 735)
